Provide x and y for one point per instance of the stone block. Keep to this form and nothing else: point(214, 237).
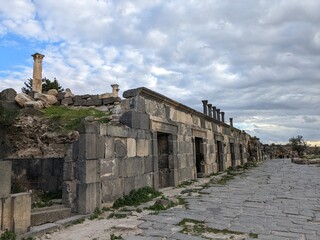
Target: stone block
point(182, 162)
point(88, 146)
point(143, 181)
point(120, 148)
point(67, 101)
point(109, 148)
point(89, 127)
point(21, 206)
point(143, 147)
point(88, 171)
point(5, 179)
point(69, 171)
point(49, 215)
point(88, 197)
point(94, 100)
point(131, 93)
point(75, 150)
point(109, 168)
point(101, 146)
point(111, 190)
point(111, 100)
point(80, 102)
point(186, 174)
point(60, 96)
point(129, 185)
point(103, 129)
point(117, 131)
point(136, 120)
point(190, 160)
point(69, 190)
point(133, 166)
point(148, 165)
point(138, 104)
point(6, 215)
point(131, 147)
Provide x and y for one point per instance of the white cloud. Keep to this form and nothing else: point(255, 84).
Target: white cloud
point(257, 60)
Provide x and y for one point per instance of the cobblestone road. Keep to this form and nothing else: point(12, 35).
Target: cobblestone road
point(276, 200)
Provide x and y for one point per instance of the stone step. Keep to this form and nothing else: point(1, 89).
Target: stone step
point(49, 214)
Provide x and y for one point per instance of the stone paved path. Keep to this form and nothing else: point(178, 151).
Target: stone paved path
point(276, 200)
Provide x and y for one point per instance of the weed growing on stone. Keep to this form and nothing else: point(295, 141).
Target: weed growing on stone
point(105, 209)
point(44, 199)
point(199, 228)
point(117, 215)
point(160, 207)
point(136, 197)
point(8, 235)
point(115, 237)
point(225, 179)
point(186, 183)
point(71, 118)
point(95, 214)
point(78, 221)
point(249, 165)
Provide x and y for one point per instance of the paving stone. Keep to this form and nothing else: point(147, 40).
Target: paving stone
point(277, 200)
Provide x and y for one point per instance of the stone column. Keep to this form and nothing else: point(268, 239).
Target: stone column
point(222, 116)
point(210, 110)
point(214, 109)
point(37, 72)
point(205, 107)
point(115, 90)
point(231, 122)
point(218, 114)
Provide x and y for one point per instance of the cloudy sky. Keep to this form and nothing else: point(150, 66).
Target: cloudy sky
point(259, 61)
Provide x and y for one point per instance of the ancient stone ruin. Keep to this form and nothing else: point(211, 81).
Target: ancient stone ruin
point(151, 140)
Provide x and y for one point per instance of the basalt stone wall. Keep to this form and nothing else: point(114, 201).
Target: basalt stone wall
point(110, 161)
point(157, 142)
point(85, 100)
point(218, 144)
point(127, 163)
point(38, 174)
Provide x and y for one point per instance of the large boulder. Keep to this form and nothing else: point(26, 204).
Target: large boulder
point(8, 95)
point(53, 92)
point(68, 93)
point(47, 99)
point(34, 104)
point(22, 98)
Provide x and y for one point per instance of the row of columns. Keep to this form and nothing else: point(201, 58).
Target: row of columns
point(214, 112)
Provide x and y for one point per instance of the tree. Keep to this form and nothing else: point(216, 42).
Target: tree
point(47, 84)
point(298, 144)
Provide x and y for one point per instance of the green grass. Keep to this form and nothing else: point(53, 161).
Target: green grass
point(71, 118)
point(45, 199)
point(97, 212)
point(115, 237)
point(8, 235)
point(249, 165)
point(197, 228)
point(159, 207)
point(136, 197)
point(186, 183)
point(117, 215)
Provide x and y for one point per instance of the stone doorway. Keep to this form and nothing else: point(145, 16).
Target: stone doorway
point(199, 157)
point(233, 155)
point(220, 156)
point(165, 160)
